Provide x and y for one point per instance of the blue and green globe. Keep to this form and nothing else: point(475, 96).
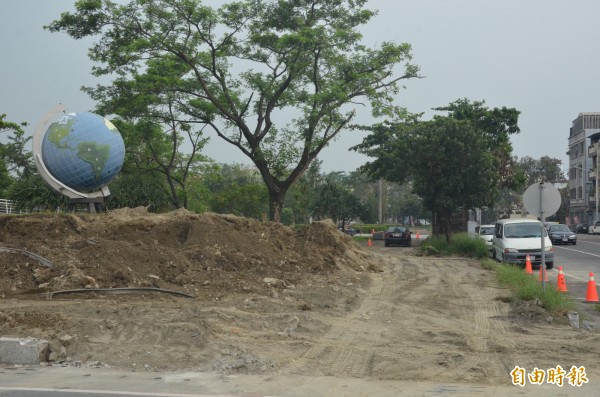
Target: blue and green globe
point(83, 150)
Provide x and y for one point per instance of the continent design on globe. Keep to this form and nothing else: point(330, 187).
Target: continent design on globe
point(83, 150)
point(95, 154)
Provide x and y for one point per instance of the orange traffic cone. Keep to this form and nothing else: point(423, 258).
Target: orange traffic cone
point(528, 268)
point(545, 271)
point(592, 293)
point(561, 285)
point(369, 243)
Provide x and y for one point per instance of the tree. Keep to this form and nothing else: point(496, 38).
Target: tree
point(333, 201)
point(453, 169)
point(154, 146)
point(240, 69)
point(15, 160)
point(448, 162)
point(14, 153)
point(546, 169)
point(303, 193)
point(139, 189)
point(497, 125)
point(398, 148)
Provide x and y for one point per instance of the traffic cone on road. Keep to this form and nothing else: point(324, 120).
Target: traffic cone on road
point(370, 243)
point(544, 271)
point(561, 285)
point(592, 294)
point(528, 268)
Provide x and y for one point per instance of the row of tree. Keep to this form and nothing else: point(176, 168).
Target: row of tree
point(222, 188)
point(279, 81)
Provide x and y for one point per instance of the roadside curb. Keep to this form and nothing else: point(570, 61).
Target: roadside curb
point(21, 351)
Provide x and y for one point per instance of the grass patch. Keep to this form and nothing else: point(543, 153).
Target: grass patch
point(488, 264)
point(524, 286)
point(527, 287)
point(462, 244)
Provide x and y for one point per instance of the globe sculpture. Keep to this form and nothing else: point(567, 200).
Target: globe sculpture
point(78, 155)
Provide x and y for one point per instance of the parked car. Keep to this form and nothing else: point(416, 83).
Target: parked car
point(594, 229)
point(561, 234)
point(486, 232)
point(398, 235)
point(580, 228)
point(515, 239)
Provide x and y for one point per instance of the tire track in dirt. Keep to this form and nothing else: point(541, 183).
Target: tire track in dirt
point(486, 328)
point(339, 351)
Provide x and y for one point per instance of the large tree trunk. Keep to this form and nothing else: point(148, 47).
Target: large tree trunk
point(276, 198)
point(441, 226)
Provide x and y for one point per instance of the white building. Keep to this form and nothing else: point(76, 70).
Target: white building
point(583, 164)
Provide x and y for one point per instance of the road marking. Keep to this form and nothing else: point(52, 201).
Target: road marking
point(581, 252)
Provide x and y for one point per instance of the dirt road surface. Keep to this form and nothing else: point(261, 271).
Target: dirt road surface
point(276, 303)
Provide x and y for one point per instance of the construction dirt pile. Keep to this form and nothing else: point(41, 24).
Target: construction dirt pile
point(182, 291)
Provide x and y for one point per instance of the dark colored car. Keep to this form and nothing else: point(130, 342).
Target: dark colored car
point(398, 235)
point(581, 228)
point(561, 234)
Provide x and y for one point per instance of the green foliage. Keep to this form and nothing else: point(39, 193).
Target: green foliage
point(527, 287)
point(236, 69)
point(15, 160)
point(454, 162)
point(462, 244)
point(247, 200)
point(333, 201)
point(33, 194)
point(154, 149)
point(135, 190)
point(453, 168)
point(5, 179)
point(13, 154)
point(546, 169)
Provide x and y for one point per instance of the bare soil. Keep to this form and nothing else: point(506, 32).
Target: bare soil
point(266, 298)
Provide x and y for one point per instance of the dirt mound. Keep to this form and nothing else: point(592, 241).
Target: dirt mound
point(203, 255)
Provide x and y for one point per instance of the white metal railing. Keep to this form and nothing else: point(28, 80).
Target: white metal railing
point(6, 206)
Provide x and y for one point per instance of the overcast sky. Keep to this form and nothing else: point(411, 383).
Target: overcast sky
point(538, 56)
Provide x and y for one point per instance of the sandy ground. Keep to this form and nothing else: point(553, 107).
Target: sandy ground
point(269, 300)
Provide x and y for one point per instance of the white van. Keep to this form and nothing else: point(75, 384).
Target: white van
point(514, 239)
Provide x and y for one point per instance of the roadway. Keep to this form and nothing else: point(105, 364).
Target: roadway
point(577, 262)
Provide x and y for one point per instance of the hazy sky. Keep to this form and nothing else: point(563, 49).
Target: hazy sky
point(538, 56)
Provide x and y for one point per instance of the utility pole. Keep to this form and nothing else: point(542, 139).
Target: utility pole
point(380, 188)
point(597, 155)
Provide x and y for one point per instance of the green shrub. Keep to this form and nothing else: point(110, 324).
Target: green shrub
point(462, 244)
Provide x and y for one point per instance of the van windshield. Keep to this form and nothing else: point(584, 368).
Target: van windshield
point(523, 230)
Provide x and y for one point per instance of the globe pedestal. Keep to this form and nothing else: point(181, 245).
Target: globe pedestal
point(94, 205)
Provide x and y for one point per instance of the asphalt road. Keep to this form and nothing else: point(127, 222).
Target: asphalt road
point(577, 262)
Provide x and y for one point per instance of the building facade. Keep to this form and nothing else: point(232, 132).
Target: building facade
point(583, 151)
